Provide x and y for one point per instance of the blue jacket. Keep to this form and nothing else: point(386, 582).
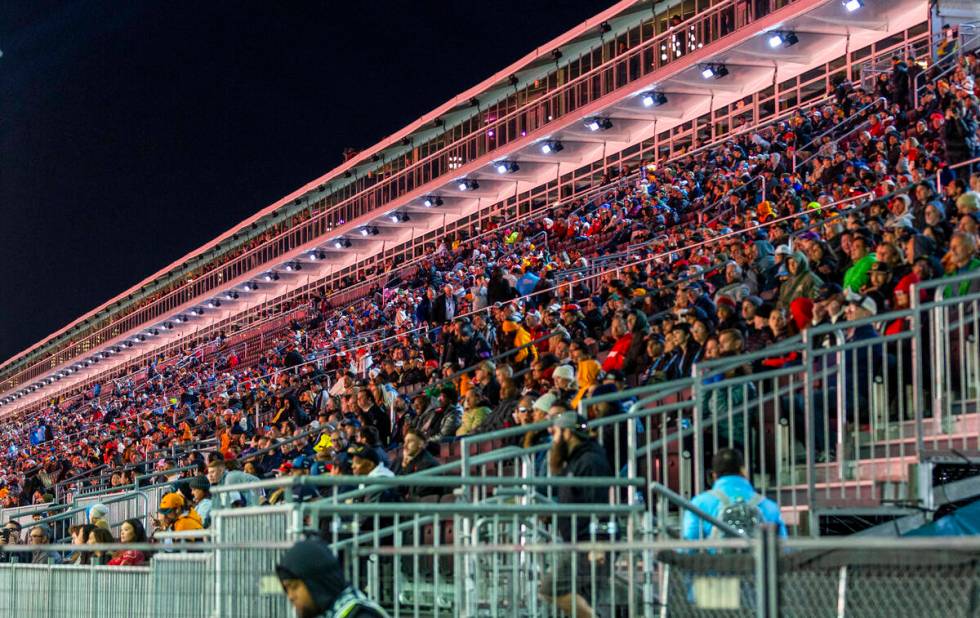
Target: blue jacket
point(694, 528)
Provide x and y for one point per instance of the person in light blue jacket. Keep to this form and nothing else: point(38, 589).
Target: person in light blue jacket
point(730, 499)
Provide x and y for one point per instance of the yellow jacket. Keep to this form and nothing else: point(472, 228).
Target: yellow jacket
point(588, 374)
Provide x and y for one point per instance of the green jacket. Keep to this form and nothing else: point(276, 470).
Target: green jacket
point(856, 276)
point(963, 288)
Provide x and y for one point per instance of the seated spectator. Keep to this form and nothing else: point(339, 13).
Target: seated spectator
point(131, 531)
point(731, 500)
point(201, 494)
point(415, 458)
point(79, 536)
point(41, 535)
point(99, 536)
point(219, 474)
point(175, 515)
point(10, 535)
point(365, 462)
point(476, 411)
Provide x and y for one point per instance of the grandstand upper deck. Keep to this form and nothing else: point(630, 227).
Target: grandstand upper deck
point(463, 141)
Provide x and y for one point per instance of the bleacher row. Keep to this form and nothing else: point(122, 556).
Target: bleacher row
point(809, 320)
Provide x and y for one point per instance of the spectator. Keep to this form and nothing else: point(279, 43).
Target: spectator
point(99, 536)
point(574, 453)
point(314, 583)
point(10, 535)
point(475, 413)
point(41, 535)
point(365, 462)
point(131, 531)
point(201, 494)
point(176, 515)
point(415, 458)
point(731, 500)
point(219, 474)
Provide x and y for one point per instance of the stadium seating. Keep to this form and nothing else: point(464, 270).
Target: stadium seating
point(804, 290)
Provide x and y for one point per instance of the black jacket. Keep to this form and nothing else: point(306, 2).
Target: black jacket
point(422, 461)
point(312, 562)
point(588, 459)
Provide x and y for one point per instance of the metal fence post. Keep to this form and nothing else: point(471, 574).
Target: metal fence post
point(808, 425)
point(697, 393)
point(766, 576)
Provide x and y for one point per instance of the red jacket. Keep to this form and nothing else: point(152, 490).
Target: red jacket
point(614, 361)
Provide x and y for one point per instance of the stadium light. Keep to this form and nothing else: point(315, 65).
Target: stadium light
point(249, 287)
point(432, 200)
point(468, 184)
point(317, 255)
point(292, 267)
point(853, 5)
point(650, 99)
point(716, 71)
point(214, 303)
point(552, 146)
point(399, 217)
point(595, 124)
point(341, 243)
point(271, 276)
point(507, 167)
point(783, 39)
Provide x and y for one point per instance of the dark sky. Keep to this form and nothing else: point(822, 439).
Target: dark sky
point(133, 132)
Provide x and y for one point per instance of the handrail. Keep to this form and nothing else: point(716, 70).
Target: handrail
point(939, 172)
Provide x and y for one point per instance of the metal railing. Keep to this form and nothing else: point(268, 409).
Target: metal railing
point(511, 565)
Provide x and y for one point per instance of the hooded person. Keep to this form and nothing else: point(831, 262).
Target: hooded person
point(764, 266)
point(528, 353)
point(588, 374)
point(314, 582)
point(802, 282)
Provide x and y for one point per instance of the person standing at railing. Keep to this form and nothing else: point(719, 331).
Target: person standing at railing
point(575, 453)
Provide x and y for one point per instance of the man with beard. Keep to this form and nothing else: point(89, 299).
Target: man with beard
point(415, 459)
point(575, 453)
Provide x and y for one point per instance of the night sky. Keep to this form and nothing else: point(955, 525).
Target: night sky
point(134, 132)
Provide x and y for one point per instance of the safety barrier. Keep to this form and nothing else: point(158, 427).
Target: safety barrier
point(240, 571)
point(508, 556)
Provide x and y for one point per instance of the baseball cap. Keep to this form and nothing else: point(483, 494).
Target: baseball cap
point(827, 290)
point(364, 452)
point(865, 302)
point(572, 421)
point(171, 501)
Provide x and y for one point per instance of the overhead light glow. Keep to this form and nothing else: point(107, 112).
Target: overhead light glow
point(552, 146)
point(853, 5)
point(650, 99)
point(595, 124)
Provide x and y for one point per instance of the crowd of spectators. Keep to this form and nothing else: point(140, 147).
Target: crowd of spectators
point(732, 250)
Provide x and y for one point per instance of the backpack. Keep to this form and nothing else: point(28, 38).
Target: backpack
point(740, 514)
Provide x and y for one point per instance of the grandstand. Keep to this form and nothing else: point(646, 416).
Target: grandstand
point(497, 361)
